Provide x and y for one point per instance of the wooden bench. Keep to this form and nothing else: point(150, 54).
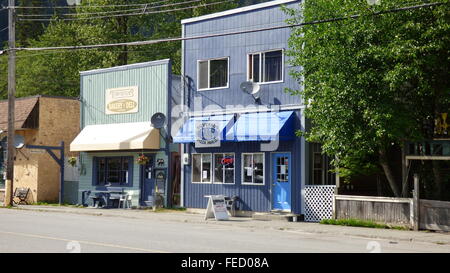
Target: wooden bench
point(21, 194)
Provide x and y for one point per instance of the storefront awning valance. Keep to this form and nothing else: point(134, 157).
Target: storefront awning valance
point(195, 126)
point(112, 137)
point(263, 126)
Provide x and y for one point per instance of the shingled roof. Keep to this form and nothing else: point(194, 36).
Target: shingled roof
point(23, 110)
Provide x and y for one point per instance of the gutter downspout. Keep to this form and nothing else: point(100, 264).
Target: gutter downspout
point(182, 148)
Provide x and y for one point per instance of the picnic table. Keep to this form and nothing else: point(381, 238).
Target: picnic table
point(102, 198)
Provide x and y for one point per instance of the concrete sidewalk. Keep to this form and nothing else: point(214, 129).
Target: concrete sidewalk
point(252, 224)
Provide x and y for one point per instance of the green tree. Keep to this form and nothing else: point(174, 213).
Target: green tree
point(370, 82)
point(57, 72)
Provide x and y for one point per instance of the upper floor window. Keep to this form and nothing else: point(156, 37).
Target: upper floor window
point(213, 74)
point(265, 66)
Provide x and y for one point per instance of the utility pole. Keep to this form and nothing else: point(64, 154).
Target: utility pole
point(11, 103)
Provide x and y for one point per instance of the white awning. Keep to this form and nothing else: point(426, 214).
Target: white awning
point(120, 136)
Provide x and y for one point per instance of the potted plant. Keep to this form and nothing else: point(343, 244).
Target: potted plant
point(72, 161)
point(142, 159)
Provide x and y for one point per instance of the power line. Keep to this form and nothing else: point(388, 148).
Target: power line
point(142, 9)
point(4, 29)
point(138, 43)
point(130, 14)
point(91, 6)
point(74, 14)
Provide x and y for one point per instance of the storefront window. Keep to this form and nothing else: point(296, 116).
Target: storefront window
point(201, 168)
point(253, 169)
point(113, 170)
point(224, 168)
point(321, 167)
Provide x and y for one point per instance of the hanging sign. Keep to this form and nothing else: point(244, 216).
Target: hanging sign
point(216, 208)
point(207, 134)
point(122, 100)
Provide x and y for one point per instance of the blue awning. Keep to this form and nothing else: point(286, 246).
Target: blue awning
point(187, 133)
point(265, 126)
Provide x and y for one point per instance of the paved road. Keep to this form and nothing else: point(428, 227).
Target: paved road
point(32, 231)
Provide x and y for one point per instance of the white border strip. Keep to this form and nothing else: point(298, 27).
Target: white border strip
point(238, 10)
point(373, 199)
point(246, 110)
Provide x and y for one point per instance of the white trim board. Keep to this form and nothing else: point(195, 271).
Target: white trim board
point(235, 11)
point(124, 67)
point(252, 109)
point(373, 198)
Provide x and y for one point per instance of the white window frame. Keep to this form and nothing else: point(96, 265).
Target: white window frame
point(201, 171)
point(261, 65)
point(253, 177)
point(214, 169)
point(209, 66)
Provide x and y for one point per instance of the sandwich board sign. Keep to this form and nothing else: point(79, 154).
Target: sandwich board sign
point(216, 208)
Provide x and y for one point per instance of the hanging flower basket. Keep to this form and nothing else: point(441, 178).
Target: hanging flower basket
point(142, 160)
point(72, 161)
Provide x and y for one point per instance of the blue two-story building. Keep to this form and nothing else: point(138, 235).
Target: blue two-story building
point(239, 127)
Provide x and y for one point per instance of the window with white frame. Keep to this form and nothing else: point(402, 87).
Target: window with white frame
point(265, 66)
point(212, 73)
point(201, 168)
point(224, 168)
point(253, 168)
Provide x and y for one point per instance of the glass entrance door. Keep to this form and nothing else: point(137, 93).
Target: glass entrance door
point(281, 179)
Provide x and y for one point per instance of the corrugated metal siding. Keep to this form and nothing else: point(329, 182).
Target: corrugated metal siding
point(252, 197)
point(153, 91)
point(236, 47)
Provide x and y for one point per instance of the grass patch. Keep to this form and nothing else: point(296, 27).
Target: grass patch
point(170, 209)
point(360, 223)
point(56, 204)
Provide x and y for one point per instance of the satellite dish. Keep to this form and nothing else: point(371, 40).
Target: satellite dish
point(252, 89)
point(19, 141)
point(158, 120)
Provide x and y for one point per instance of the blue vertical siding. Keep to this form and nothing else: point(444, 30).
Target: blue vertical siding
point(236, 47)
point(252, 197)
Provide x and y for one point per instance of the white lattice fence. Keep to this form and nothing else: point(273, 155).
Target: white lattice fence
point(318, 202)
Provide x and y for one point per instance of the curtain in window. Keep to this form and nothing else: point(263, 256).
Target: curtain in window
point(272, 66)
point(218, 73)
point(256, 77)
point(203, 75)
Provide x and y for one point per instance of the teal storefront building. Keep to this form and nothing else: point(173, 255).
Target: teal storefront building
point(117, 105)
